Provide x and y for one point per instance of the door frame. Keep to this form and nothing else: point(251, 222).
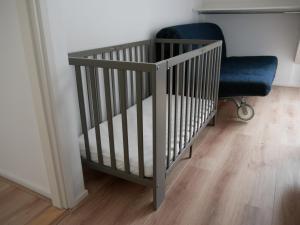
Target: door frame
point(33, 19)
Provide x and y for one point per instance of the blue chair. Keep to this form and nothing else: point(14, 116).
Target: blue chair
point(240, 76)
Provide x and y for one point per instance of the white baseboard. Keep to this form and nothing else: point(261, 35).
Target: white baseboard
point(20, 181)
point(282, 84)
point(79, 198)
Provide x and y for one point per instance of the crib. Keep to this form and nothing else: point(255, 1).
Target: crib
point(143, 104)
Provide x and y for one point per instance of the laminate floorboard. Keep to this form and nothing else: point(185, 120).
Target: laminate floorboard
point(20, 206)
point(240, 174)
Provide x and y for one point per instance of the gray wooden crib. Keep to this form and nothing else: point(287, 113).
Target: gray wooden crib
point(143, 104)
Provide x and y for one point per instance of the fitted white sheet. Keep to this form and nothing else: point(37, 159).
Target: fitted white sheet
point(132, 137)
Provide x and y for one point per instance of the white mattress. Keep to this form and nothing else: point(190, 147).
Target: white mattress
point(132, 138)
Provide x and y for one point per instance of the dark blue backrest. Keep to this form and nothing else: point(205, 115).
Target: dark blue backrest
point(206, 31)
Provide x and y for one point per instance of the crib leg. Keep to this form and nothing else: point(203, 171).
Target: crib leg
point(158, 194)
point(212, 122)
point(191, 152)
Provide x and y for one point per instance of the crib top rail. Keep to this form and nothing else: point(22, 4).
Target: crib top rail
point(184, 41)
point(189, 55)
point(90, 52)
point(111, 64)
point(96, 51)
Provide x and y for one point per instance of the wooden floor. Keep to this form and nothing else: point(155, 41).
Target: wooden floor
point(20, 206)
point(240, 174)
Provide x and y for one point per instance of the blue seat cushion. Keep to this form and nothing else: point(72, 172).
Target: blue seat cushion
point(247, 76)
point(205, 31)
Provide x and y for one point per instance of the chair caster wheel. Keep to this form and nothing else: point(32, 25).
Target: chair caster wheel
point(245, 112)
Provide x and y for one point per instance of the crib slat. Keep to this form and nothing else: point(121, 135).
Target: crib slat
point(204, 89)
point(130, 54)
point(218, 74)
point(147, 52)
point(162, 53)
point(210, 80)
point(139, 105)
point(122, 94)
point(89, 94)
point(125, 73)
point(148, 59)
point(182, 89)
point(125, 58)
point(176, 77)
point(169, 116)
point(199, 92)
point(113, 92)
point(82, 112)
point(171, 50)
point(98, 93)
point(180, 48)
point(118, 55)
point(219, 52)
point(151, 50)
point(131, 76)
point(95, 94)
point(109, 117)
point(144, 59)
point(136, 53)
point(199, 124)
point(142, 54)
point(207, 86)
point(124, 54)
point(187, 102)
point(214, 77)
point(192, 97)
point(196, 94)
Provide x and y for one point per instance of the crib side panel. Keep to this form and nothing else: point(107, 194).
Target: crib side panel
point(192, 89)
point(139, 52)
point(111, 137)
point(167, 48)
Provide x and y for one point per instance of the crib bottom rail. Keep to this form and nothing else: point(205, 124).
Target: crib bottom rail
point(118, 173)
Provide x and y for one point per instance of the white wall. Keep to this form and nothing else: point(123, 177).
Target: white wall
point(97, 23)
point(110, 22)
point(21, 157)
point(262, 34)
